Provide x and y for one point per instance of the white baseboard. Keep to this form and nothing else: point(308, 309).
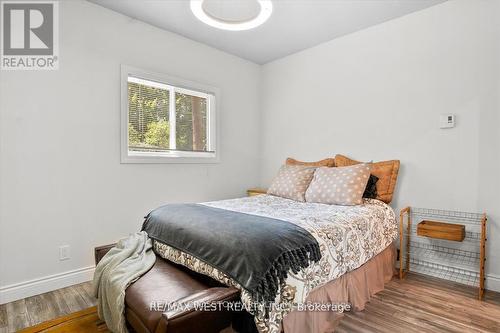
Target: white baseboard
point(45, 284)
point(39, 286)
point(493, 282)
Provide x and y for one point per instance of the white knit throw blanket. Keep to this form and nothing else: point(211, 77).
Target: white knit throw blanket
point(121, 266)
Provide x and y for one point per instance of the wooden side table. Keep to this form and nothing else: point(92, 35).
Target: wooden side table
point(256, 191)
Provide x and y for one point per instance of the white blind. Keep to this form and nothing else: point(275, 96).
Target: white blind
point(165, 118)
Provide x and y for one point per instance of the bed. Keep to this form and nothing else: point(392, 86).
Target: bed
point(354, 241)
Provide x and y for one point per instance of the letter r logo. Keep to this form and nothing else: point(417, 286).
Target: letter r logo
point(28, 28)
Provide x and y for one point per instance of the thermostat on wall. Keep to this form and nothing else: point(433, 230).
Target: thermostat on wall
point(447, 121)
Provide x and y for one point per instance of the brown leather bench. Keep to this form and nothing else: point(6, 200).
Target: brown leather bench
point(167, 283)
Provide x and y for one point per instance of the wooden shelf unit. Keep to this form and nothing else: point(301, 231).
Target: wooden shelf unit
point(458, 257)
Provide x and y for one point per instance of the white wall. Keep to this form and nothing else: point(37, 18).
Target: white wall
point(377, 94)
point(60, 172)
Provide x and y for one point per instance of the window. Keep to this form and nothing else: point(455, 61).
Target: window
point(166, 120)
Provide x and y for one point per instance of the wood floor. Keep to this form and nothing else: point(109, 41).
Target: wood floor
point(424, 304)
point(417, 304)
point(34, 310)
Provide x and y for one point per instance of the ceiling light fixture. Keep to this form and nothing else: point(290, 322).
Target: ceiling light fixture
point(266, 8)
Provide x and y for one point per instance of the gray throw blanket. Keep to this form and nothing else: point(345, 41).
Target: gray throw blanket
point(255, 251)
point(122, 265)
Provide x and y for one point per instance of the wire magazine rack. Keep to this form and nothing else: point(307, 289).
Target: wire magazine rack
point(458, 261)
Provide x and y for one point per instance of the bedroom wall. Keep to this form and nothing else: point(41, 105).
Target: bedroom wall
point(377, 94)
point(60, 172)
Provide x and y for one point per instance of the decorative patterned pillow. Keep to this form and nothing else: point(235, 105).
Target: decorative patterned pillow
point(291, 182)
point(339, 186)
point(327, 162)
point(386, 171)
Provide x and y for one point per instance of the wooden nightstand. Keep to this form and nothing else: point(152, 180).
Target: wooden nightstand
point(256, 191)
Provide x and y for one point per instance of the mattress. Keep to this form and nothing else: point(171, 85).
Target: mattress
point(348, 237)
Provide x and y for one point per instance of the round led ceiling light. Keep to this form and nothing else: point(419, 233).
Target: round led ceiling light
point(232, 15)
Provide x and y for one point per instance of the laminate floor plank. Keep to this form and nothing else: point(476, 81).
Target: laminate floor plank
point(58, 304)
point(426, 304)
point(17, 315)
point(73, 299)
point(455, 311)
point(446, 310)
point(341, 330)
point(3, 316)
point(351, 324)
point(492, 298)
point(45, 307)
point(85, 290)
point(373, 315)
point(376, 323)
point(431, 317)
point(414, 305)
point(448, 304)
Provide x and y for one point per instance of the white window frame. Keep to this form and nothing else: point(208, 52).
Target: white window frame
point(164, 81)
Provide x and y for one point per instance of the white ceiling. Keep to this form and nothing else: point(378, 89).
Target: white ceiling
point(294, 25)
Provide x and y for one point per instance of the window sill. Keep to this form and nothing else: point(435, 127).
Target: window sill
point(170, 158)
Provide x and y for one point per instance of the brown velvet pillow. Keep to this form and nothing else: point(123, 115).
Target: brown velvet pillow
point(327, 162)
point(386, 171)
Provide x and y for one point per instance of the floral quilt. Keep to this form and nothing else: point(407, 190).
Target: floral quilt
point(348, 236)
